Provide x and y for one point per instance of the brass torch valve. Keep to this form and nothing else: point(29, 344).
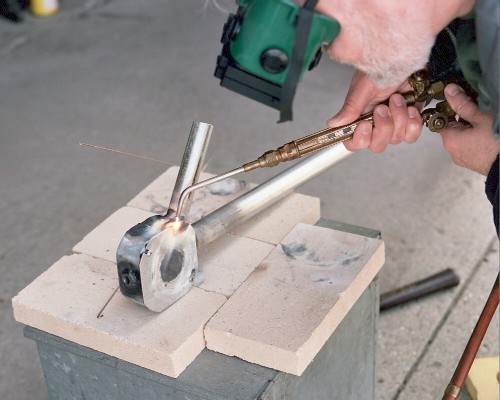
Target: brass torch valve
point(436, 119)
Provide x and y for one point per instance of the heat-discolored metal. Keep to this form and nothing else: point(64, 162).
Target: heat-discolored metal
point(136, 240)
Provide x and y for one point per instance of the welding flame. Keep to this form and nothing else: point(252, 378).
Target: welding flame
point(176, 225)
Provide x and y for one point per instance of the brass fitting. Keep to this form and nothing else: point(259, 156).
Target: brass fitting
point(287, 152)
point(436, 119)
point(436, 90)
point(419, 81)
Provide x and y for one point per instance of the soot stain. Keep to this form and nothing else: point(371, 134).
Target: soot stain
point(155, 206)
point(293, 250)
point(261, 268)
point(299, 251)
point(349, 261)
point(313, 257)
point(226, 187)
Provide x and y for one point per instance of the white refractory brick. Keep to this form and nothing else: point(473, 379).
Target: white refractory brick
point(226, 263)
point(102, 241)
point(281, 316)
point(67, 299)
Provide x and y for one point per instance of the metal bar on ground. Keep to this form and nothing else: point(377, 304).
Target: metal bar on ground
point(442, 280)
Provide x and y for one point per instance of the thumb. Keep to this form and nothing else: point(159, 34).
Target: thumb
point(348, 113)
point(462, 104)
point(355, 103)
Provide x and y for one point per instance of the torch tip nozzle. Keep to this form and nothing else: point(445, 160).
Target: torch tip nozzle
point(251, 165)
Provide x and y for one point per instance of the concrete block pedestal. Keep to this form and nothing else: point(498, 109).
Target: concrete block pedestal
point(344, 369)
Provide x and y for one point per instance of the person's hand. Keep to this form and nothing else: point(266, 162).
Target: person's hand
point(394, 123)
point(471, 145)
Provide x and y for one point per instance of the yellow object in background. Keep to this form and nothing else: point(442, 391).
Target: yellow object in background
point(44, 8)
point(482, 382)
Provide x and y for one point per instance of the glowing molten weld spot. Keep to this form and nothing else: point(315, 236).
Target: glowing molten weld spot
point(176, 225)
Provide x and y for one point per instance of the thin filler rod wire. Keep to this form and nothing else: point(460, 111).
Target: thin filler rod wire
point(204, 183)
point(125, 153)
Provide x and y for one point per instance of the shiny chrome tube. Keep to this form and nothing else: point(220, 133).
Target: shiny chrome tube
point(239, 210)
point(192, 163)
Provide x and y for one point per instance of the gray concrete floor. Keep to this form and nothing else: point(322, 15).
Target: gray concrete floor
point(133, 75)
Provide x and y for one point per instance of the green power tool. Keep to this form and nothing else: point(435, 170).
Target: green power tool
point(268, 45)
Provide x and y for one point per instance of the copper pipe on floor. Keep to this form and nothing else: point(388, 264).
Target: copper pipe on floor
point(457, 382)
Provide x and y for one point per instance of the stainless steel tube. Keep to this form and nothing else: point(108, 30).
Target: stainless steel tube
point(192, 162)
point(247, 205)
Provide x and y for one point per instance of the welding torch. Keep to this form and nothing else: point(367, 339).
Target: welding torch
point(423, 91)
point(290, 151)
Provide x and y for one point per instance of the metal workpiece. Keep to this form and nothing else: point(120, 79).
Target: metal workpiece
point(139, 239)
point(151, 259)
point(239, 210)
point(157, 265)
point(191, 165)
point(174, 250)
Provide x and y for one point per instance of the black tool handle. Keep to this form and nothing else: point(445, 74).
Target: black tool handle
point(442, 280)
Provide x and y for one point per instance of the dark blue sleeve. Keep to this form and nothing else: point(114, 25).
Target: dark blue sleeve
point(491, 189)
